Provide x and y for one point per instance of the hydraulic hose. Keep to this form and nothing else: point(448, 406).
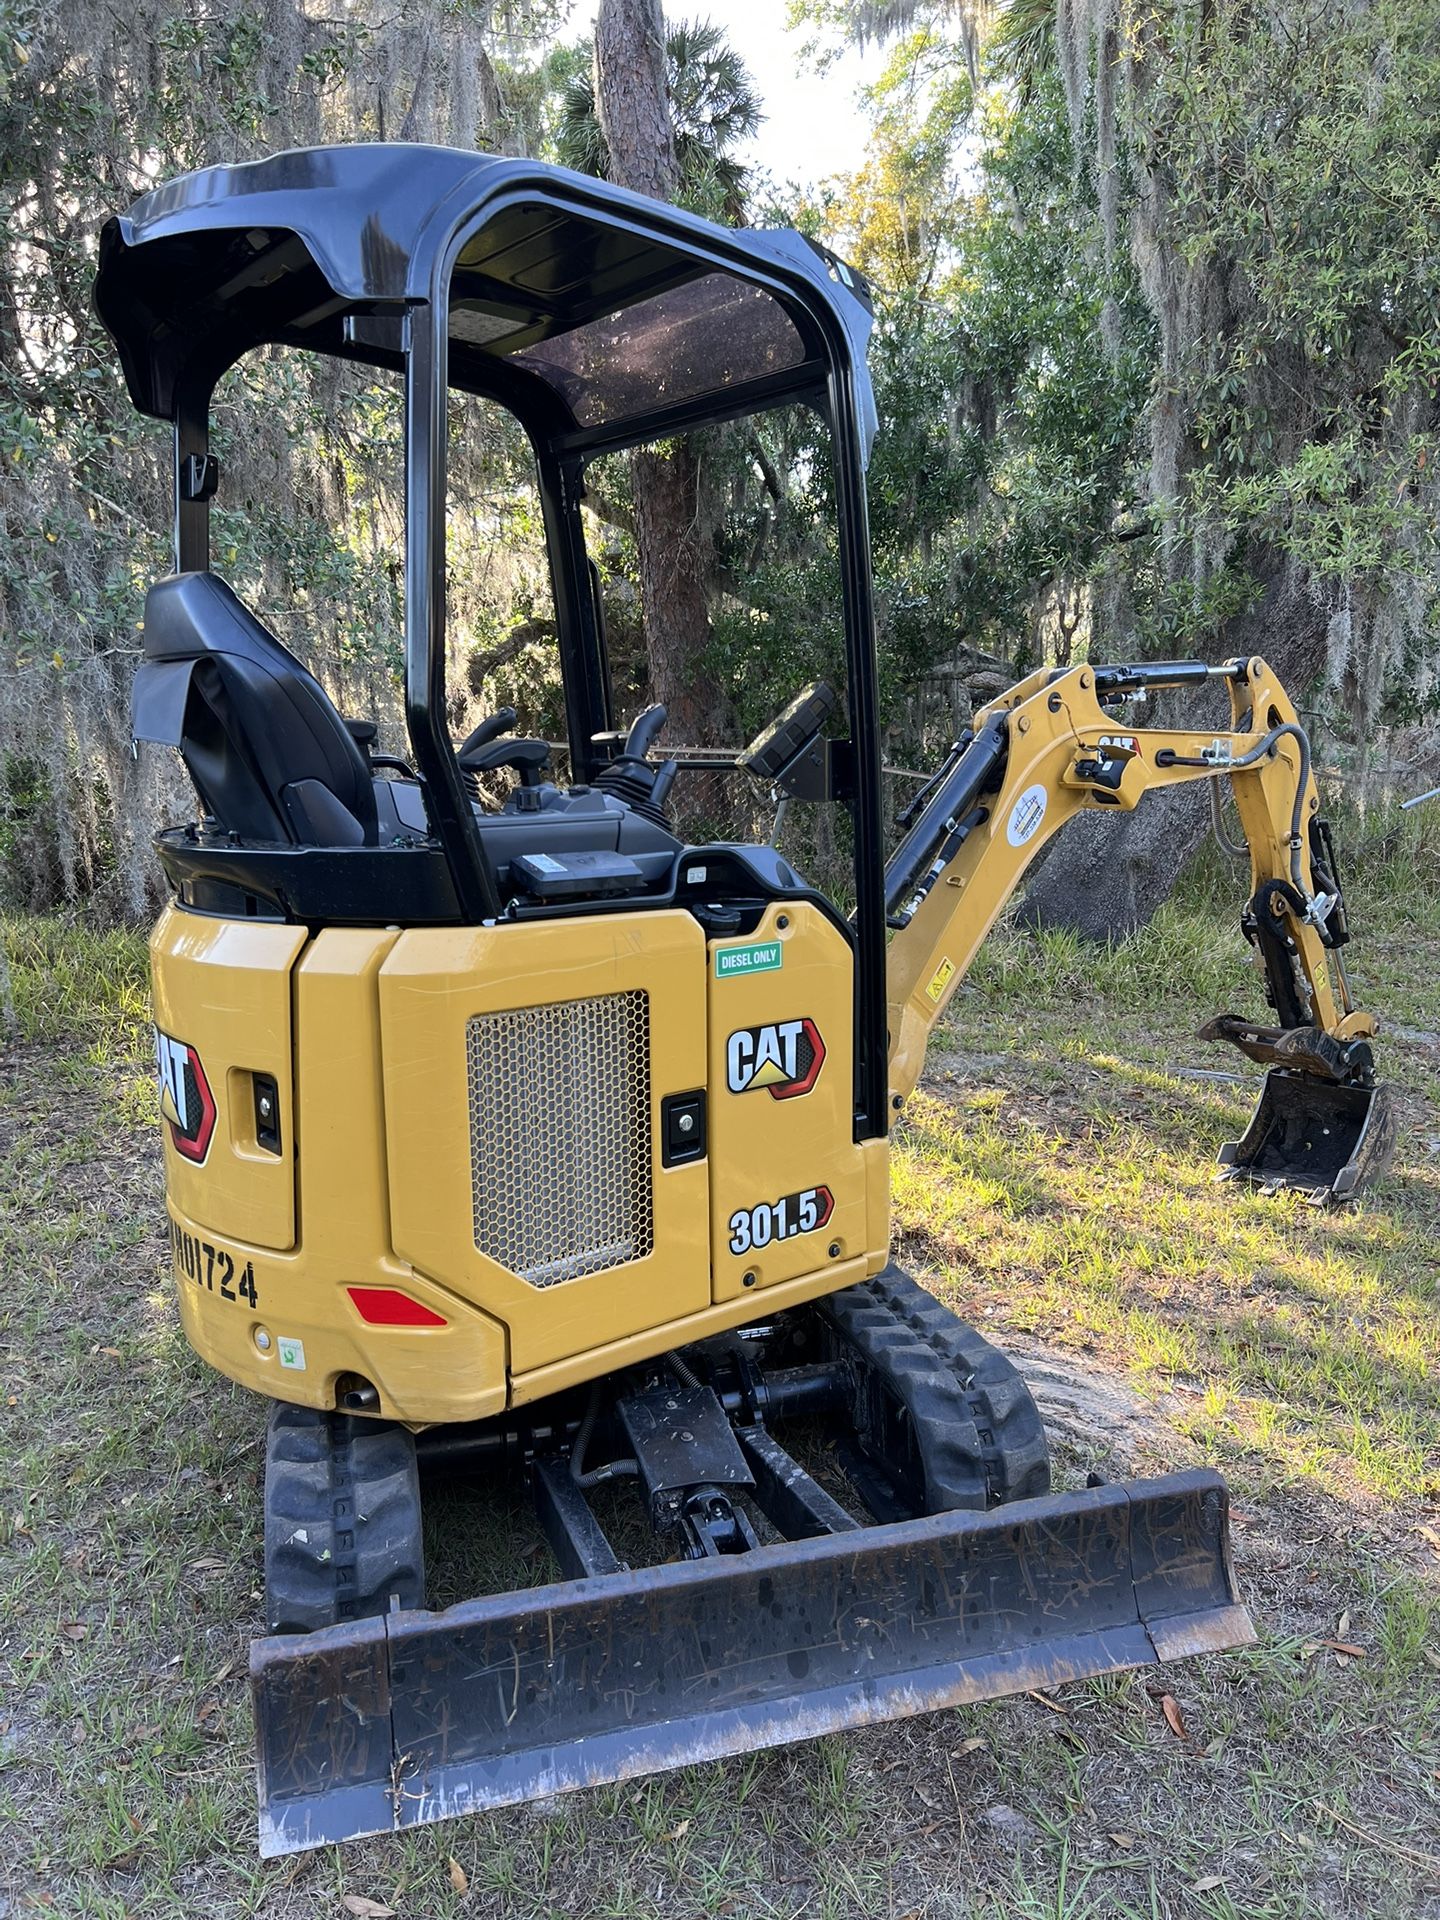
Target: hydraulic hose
point(1287, 729)
point(613, 1469)
point(954, 796)
point(1236, 849)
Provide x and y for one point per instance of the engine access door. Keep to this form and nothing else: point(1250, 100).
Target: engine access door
point(526, 1067)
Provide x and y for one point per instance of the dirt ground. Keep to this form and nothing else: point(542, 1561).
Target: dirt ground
point(1053, 1183)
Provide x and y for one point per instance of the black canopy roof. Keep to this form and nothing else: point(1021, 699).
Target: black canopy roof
point(615, 304)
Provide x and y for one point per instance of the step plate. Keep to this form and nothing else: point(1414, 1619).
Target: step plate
point(392, 1723)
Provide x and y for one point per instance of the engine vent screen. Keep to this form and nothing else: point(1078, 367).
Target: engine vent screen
point(560, 1136)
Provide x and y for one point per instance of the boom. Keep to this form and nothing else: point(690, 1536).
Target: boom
point(1051, 749)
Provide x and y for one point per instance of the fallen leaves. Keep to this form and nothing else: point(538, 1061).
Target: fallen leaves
point(459, 1879)
point(1174, 1718)
point(365, 1909)
point(1044, 1701)
point(1344, 1650)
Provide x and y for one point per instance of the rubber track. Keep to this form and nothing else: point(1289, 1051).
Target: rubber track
point(977, 1429)
point(342, 1519)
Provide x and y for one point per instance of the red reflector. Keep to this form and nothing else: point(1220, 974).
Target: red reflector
point(388, 1307)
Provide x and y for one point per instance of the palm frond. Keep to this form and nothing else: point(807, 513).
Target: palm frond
point(1021, 44)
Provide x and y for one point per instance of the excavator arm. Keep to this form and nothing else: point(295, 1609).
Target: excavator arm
point(1053, 748)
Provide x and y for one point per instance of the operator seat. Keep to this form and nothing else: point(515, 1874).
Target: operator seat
point(270, 757)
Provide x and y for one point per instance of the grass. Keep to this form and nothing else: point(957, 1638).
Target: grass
point(1052, 1181)
point(1072, 1175)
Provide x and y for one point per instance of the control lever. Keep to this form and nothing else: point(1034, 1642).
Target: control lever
point(643, 735)
point(630, 776)
point(529, 758)
point(501, 721)
point(664, 780)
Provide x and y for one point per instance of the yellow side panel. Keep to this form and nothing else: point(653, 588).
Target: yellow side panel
point(451, 1372)
point(222, 995)
point(303, 1331)
point(877, 1176)
point(435, 983)
point(789, 1191)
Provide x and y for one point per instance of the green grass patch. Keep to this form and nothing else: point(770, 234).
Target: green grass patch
point(85, 990)
point(1068, 1176)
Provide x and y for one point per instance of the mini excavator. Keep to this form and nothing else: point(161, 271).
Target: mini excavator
point(527, 1139)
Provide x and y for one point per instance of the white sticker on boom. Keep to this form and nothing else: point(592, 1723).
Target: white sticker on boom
point(292, 1354)
point(1025, 816)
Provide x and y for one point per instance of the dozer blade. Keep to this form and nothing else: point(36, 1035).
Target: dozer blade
point(1328, 1140)
point(390, 1723)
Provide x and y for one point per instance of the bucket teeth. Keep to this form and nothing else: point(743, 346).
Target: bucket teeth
point(1322, 1124)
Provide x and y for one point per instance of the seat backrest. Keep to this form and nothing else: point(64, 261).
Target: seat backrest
point(270, 757)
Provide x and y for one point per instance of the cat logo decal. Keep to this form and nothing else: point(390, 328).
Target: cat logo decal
point(186, 1101)
point(785, 1058)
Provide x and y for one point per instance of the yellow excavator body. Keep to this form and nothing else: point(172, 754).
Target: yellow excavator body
point(476, 1191)
point(470, 1200)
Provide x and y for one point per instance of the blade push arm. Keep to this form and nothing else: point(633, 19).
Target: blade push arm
point(1048, 750)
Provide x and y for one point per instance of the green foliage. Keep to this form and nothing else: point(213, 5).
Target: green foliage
point(1299, 169)
point(95, 108)
point(76, 987)
point(1192, 319)
point(1010, 366)
point(713, 107)
point(1155, 330)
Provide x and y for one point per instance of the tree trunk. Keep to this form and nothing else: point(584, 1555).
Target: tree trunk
point(677, 618)
point(1106, 875)
point(630, 97)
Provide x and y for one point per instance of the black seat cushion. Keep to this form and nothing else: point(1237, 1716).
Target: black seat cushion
point(270, 757)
